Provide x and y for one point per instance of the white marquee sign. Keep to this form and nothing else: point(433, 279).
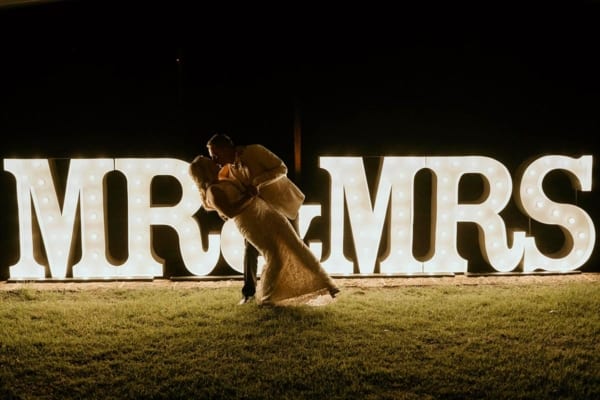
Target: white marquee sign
point(85, 188)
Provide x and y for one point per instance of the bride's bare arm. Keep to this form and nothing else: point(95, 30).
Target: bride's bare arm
point(220, 200)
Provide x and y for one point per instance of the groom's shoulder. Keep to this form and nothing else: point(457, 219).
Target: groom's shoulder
point(255, 148)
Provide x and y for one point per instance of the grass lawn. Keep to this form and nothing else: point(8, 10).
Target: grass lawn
point(497, 341)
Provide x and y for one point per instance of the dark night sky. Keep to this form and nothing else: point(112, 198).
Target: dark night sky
point(95, 77)
point(102, 78)
point(98, 70)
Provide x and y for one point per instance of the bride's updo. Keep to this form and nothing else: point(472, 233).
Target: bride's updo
point(203, 171)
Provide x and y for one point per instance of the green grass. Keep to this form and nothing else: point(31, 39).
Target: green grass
point(430, 342)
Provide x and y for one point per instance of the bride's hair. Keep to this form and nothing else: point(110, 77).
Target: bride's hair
point(201, 170)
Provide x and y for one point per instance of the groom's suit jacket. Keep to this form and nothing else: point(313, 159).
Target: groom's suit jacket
point(257, 166)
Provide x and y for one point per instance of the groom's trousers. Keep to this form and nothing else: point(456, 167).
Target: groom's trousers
point(250, 268)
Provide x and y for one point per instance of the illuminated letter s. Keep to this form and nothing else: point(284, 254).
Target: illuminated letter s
point(576, 224)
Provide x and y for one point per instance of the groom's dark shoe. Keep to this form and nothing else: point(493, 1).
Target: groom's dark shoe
point(333, 292)
point(245, 299)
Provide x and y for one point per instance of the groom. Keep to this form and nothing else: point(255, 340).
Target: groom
point(263, 173)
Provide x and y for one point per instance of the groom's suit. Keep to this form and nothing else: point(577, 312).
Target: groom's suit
point(256, 166)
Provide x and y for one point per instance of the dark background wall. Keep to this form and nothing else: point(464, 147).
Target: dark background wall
point(118, 79)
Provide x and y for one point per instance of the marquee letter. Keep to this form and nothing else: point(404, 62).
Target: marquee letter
point(307, 213)
point(575, 223)
point(398, 176)
point(142, 215)
point(343, 171)
point(447, 213)
point(348, 177)
point(35, 178)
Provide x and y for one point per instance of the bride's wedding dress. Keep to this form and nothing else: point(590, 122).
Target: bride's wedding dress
point(291, 274)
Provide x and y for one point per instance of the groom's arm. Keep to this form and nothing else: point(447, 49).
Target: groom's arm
point(265, 164)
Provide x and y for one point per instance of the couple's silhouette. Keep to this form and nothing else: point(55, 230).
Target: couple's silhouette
point(249, 185)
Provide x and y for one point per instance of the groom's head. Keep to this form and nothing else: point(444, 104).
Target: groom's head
point(221, 149)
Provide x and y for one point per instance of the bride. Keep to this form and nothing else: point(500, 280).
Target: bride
point(292, 274)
